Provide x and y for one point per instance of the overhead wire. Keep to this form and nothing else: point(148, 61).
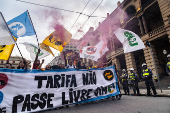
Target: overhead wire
point(56, 8)
point(89, 17)
point(79, 15)
point(74, 23)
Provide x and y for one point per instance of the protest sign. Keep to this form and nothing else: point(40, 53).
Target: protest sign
point(34, 90)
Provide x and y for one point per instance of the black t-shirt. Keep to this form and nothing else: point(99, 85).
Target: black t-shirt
point(55, 67)
point(82, 67)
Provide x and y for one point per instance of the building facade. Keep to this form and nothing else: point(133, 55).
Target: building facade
point(14, 60)
point(149, 19)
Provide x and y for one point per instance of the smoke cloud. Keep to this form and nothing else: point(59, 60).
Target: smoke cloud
point(105, 30)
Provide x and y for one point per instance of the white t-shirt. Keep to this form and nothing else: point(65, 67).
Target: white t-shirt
point(68, 66)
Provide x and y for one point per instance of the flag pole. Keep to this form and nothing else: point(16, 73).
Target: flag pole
point(12, 36)
point(33, 27)
point(65, 58)
point(19, 50)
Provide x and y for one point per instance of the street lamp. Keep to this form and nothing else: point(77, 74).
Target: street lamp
point(165, 53)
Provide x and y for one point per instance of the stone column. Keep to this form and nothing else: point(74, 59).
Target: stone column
point(141, 27)
point(165, 12)
point(117, 63)
point(149, 60)
point(144, 23)
point(130, 61)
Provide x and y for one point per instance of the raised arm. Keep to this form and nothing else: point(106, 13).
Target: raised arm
point(36, 58)
point(39, 67)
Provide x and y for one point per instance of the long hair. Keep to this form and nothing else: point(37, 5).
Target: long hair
point(18, 67)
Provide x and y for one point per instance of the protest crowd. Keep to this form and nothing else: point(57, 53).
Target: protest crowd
point(58, 40)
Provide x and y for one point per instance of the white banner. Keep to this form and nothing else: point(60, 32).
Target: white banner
point(34, 90)
point(131, 42)
point(94, 52)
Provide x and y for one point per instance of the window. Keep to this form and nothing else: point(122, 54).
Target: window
point(67, 46)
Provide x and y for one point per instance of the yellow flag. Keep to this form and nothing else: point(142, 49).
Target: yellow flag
point(58, 39)
point(6, 50)
point(45, 47)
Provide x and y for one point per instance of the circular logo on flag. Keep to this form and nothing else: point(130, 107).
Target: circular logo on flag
point(108, 75)
point(1, 97)
point(17, 29)
point(91, 50)
point(3, 80)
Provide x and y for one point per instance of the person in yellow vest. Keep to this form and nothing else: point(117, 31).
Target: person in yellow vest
point(134, 81)
point(147, 76)
point(168, 65)
point(124, 78)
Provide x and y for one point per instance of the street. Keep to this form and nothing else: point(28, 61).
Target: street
point(128, 104)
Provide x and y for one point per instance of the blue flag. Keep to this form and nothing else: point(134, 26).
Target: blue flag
point(21, 26)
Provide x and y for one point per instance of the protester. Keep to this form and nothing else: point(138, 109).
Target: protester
point(82, 65)
point(70, 64)
point(62, 66)
point(120, 95)
point(124, 78)
point(37, 64)
point(76, 63)
point(134, 81)
point(168, 65)
point(48, 67)
point(23, 64)
point(8, 65)
point(147, 76)
point(91, 65)
point(55, 67)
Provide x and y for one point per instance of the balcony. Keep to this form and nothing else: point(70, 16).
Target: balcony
point(160, 31)
point(156, 31)
point(119, 51)
point(114, 53)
